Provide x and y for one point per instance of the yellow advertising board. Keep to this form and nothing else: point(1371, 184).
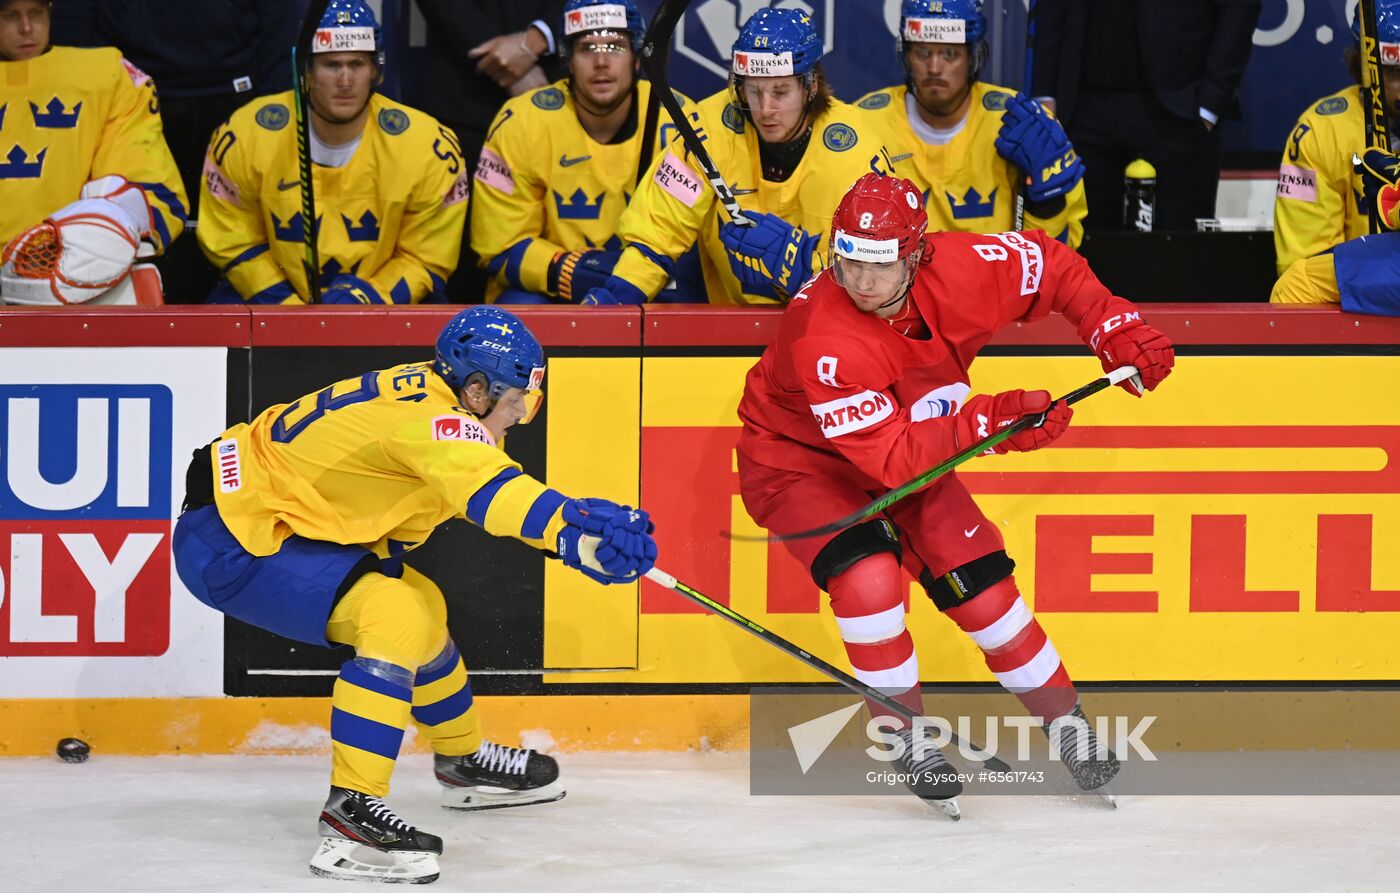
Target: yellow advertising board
point(1238, 524)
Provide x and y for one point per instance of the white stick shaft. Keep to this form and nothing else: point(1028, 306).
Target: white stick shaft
point(661, 578)
point(1121, 374)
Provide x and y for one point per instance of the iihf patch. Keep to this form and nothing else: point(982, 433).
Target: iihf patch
point(1332, 106)
point(839, 137)
point(550, 99)
point(273, 117)
point(393, 121)
point(733, 118)
point(875, 101)
point(994, 101)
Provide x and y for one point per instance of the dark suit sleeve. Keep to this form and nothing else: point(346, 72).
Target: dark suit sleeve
point(1230, 46)
point(460, 23)
point(278, 23)
point(1051, 31)
point(73, 23)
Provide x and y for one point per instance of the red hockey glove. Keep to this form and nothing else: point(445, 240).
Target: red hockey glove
point(983, 415)
point(1125, 340)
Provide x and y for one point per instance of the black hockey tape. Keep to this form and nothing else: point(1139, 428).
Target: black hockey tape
point(853, 544)
point(961, 584)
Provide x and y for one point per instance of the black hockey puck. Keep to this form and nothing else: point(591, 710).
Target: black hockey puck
point(73, 750)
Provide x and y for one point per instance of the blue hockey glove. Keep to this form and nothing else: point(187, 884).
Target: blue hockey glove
point(614, 291)
point(347, 289)
point(608, 542)
point(1380, 173)
point(771, 252)
point(1036, 143)
point(572, 274)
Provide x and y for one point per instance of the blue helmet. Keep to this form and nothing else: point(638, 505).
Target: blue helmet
point(349, 26)
point(775, 43)
point(494, 343)
point(618, 16)
point(942, 21)
point(1387, 24)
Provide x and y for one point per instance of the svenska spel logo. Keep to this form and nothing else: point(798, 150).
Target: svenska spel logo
point(85, 519)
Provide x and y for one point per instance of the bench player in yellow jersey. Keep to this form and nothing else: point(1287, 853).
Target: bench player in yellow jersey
point(1325, 194)
point(390, 185)
point(968, 145)
point(85, 173)
point(299, 521)
point(789, 149)
point(560, 164)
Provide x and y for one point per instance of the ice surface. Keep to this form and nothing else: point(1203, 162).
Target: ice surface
point(668, 822)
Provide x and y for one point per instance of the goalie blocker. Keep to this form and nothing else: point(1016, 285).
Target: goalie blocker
point(86, 252)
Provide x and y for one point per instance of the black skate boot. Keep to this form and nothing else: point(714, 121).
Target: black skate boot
point(928, 774)
point(1092, 764)
point(362, 840)
point(497, 776)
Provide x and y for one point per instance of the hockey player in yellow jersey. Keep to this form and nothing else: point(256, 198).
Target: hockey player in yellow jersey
point(789, 150)
point(560, 164)
point(81, 139)
point(299, 522)
point(389, 182)
point(1318, 203)
point(969, 146)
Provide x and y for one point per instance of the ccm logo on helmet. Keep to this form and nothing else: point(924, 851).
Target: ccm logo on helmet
point(837, 417)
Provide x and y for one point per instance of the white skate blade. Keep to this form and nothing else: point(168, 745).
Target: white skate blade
point(484, 797)
point(948, 807)
point(347, 860)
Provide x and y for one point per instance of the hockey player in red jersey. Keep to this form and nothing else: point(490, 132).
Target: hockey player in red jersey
point(866, 386)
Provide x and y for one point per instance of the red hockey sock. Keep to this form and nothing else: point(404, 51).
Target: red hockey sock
point(1017, 650)
point(868, 601)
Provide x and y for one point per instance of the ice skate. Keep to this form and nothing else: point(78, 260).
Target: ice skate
point(928, 774)
point(362, 840)
point(497, 776)
point(1091, 763)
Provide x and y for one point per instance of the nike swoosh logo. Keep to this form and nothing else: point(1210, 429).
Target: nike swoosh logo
point(283, 185)
point(969, 533)
point(566, 161)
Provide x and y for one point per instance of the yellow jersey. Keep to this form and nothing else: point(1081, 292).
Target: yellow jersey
point(967, 186)
point(377, 461)
point(544, 186)
point(391, 216)
point(1318, 200)
point(675, 206)
point(73, 115)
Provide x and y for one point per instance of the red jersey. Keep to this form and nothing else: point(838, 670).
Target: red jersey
point(839, 387)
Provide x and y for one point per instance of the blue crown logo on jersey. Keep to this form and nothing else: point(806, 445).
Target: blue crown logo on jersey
point(54, 117)
point(19, 167)
point(293, 230)
point(367, 231)
point(578, 207)
point(972, 204)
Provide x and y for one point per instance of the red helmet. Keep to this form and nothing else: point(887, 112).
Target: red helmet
point(881, 219)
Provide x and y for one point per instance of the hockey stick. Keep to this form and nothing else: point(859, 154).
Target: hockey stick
point(1122, 373)
point(301, 62)
point(654, 54)
point(653, 115)
point(661, 578)
point(1372, 92)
